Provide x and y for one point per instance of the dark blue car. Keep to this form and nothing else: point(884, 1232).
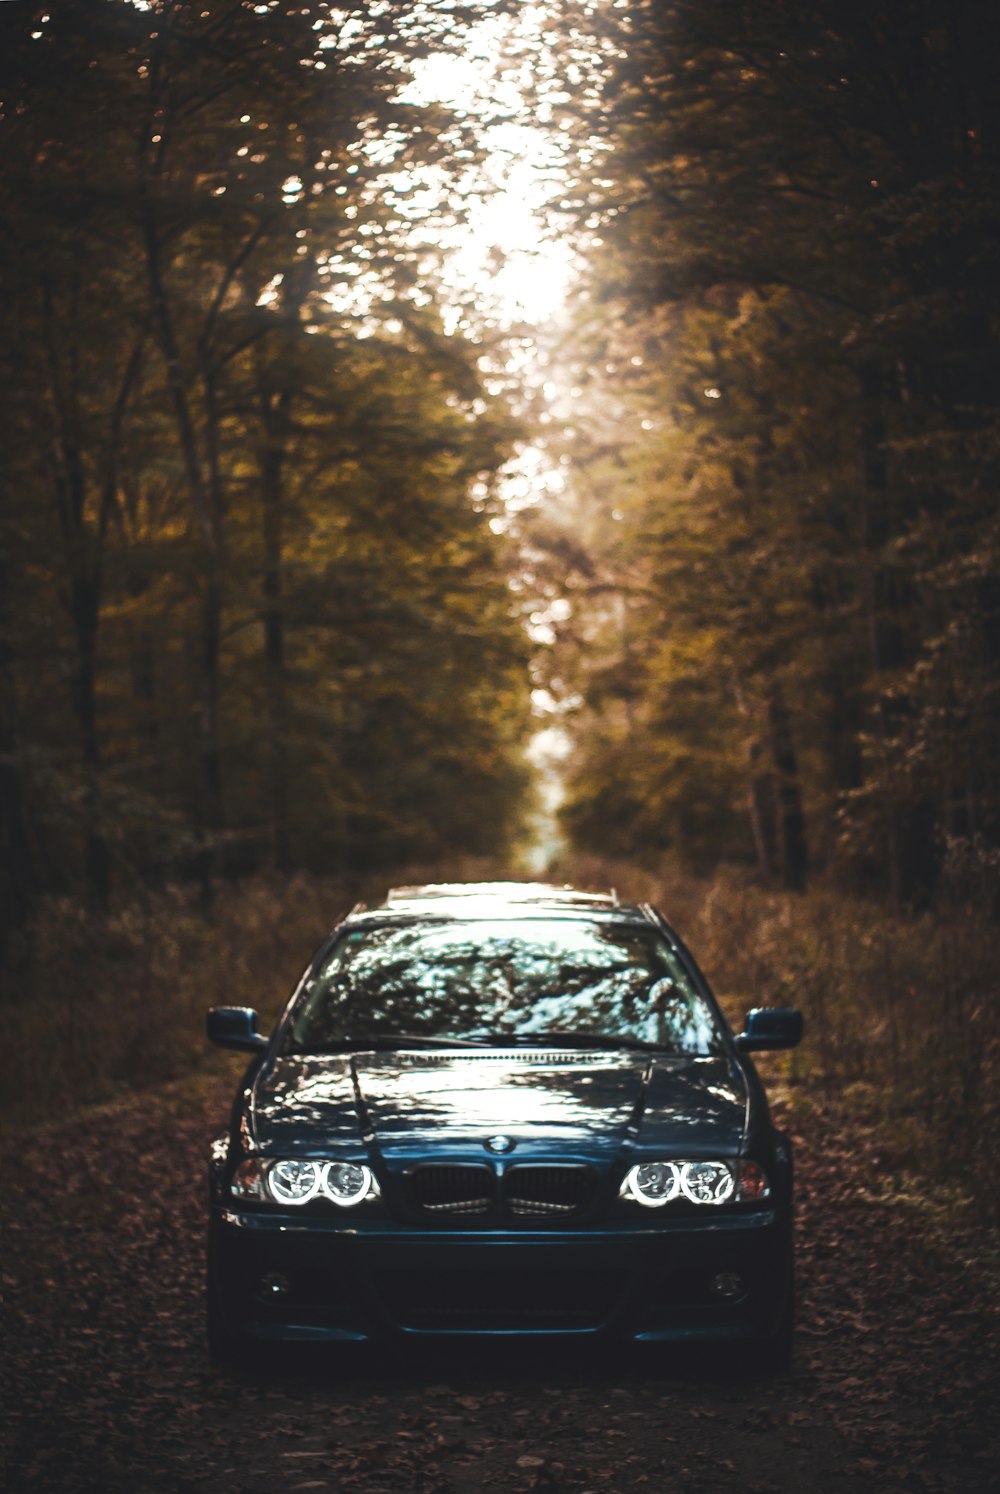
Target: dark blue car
point(502, 1109)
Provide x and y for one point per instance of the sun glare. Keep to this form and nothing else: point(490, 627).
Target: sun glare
point(507, 252)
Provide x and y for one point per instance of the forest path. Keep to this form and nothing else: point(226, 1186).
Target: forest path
point(894, 1384)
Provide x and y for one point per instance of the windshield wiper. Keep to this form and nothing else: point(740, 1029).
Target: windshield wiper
point(386, 1043)
point(597, 1041)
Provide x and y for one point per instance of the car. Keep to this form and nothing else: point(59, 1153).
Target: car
point(502, 1110)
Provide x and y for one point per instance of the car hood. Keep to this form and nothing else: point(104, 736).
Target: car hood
point(582, 1102)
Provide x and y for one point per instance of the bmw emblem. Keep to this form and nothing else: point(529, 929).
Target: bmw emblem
point(499, 1144)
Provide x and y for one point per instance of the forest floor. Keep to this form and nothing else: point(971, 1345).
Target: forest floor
point(895, 1383)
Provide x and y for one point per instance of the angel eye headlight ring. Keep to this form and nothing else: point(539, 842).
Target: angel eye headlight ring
point(706, 1182)
point(343, 1183)
point(292, 1181)
point(653, 1184)
point(347, 1183)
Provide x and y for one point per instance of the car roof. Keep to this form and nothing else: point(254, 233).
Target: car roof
point(462, 900)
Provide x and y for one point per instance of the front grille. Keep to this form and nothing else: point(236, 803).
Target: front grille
point(549, 1190)
point(497, 1299)
point(540, 1057)
point(453, 1190)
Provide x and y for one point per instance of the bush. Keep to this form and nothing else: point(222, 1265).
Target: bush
point(902, 1012)
point(119, 1001)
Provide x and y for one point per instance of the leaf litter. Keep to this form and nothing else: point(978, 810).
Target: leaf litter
point(894, 1387)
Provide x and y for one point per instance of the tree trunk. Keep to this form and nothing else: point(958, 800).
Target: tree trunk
point(85, 607)
point(17, 869)
point(209, 522)
point(272, 528)
point(884, 641)
point(763, 810)
point(276, 401)
point(791, 816)
point(84, 548)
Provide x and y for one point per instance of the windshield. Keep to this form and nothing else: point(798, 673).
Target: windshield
point(518, 981)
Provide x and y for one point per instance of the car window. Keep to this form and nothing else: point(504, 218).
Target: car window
point(530, 978)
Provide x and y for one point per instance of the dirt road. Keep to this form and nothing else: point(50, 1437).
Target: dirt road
point(895, 1383)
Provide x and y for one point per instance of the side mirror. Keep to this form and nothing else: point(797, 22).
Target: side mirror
point(769, 1028)
point(235, 1027)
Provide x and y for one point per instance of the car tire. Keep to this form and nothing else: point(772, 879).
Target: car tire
point(228, 1343)
point(773, 1355)
point(224, 1339)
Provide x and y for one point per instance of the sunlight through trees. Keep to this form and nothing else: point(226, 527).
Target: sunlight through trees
point(251, 615)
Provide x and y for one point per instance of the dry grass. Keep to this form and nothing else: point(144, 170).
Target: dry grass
point(119, 1001)
point(902, 1013)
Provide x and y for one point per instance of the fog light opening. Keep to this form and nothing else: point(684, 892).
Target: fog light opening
point(273, 1286)
point(727, 1286)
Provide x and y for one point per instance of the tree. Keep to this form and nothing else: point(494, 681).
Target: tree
point(232, 393)
point(798, 200)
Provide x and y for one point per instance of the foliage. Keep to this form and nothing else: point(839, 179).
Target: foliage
point(254, 612)
point(902, 1023)
point(116, 1002)
point(784, 438)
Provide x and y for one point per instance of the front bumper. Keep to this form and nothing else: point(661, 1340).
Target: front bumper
point(293, 1278)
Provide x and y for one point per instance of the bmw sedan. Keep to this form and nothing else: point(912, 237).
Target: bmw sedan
point(502, 1109)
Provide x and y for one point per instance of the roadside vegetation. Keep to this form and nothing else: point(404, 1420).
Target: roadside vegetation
point(902, 1018)
point(772, 573)
point(254, 611)
point(901, 1024)
point(108, 1002)
point(776, 557)
point(262, 604)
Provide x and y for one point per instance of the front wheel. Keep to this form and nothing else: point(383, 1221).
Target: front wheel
point(773, 1355)
point(225, 1341)
point(228, 1343)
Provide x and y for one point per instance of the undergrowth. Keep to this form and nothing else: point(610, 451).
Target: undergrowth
point(902, 1013)
point(117, 1001)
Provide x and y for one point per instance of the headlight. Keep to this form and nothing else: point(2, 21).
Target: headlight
point(347, 1183)
point(297, 1181)
point(707, 1182)
point(713, 1182)
point(293, 1182)
point(653, 1183)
